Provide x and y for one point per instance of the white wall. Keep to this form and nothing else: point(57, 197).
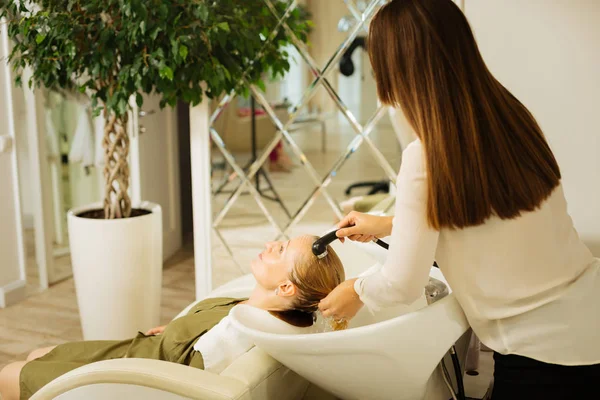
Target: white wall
point(548, 54)
point(12, 263)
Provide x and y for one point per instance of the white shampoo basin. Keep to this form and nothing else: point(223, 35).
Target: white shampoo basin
point(390, 355)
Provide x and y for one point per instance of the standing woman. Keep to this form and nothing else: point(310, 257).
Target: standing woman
point(480, 192)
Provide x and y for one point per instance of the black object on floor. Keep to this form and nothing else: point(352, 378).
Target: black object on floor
point(376, 187)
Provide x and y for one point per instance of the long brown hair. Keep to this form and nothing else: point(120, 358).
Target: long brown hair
point(314, 279)
point(484, 151)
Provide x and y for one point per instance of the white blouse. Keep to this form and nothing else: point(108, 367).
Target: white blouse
point(222, 345)
point(528, 286)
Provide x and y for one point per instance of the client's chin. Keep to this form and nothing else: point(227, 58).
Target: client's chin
point(253, 265)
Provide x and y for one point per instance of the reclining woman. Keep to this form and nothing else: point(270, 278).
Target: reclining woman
point(290, 282)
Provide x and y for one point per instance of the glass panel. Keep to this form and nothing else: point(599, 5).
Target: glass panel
point(322, 120)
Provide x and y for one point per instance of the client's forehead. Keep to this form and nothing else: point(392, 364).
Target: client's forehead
point(301, 243)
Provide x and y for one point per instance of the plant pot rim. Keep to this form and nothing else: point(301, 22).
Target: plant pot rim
point(144, 205)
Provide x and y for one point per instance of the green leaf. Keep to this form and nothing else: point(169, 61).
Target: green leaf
point(223, 26)
point(40, 38)
point(261, 85)
point(202, 12)
point(163, 11)
point(139, 100)
point(174, 47)
point(183, 51)
point(122, 107)
point(143, 27)
point(155, 32)
point(166, 72)
point(135, 68)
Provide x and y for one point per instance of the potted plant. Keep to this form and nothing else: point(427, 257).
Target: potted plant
point(108, 53)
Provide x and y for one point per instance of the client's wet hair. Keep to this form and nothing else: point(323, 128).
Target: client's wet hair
point(314, 279)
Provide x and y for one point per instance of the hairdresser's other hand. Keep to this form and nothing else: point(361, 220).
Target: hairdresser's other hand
point(342, 303)
point(364, 227)
point(156, 331)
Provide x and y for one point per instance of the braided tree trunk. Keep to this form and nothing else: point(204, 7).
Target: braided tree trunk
point(117, 203)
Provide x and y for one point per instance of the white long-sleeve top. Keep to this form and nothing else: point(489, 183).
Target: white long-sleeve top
point(528, 286)
point(222, 345)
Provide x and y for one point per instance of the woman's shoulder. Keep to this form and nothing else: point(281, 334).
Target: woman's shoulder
point(212, 303)
point(415, 144)
point(413, 157)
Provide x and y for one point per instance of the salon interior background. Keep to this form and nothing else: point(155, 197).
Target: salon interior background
point(547, 53)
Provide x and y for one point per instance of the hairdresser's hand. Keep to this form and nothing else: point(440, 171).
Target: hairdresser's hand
point(342, 303)
point(156, 331)
point(364, 227)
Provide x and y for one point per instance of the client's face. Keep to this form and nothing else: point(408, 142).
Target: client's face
point(273, 265)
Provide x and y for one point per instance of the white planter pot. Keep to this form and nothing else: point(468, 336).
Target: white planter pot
point(117, 268)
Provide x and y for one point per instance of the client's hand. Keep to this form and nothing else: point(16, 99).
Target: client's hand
point(342, 303)
point(156, 331)
point(364, 227)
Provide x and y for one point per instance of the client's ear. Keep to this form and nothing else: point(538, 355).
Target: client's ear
point(286, 289)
